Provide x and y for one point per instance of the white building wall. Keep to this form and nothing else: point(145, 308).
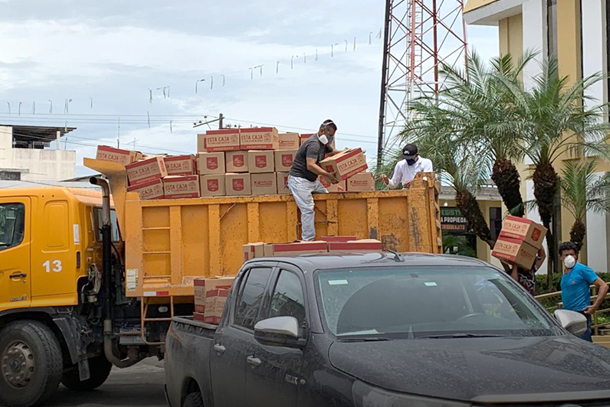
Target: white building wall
point(39, 164)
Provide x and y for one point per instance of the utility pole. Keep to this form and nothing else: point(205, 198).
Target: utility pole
point(220, 121)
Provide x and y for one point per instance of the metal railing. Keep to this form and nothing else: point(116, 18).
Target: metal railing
point(596, 326)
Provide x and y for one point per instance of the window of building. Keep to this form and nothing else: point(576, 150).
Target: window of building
point(552, 27)
point(495, 222)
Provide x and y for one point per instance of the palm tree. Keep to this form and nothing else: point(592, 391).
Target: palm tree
point(460, 165)
point(481, 103)
point(553, 121)
point(583, 191)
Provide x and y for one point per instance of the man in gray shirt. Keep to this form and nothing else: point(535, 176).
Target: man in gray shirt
point(303, 178)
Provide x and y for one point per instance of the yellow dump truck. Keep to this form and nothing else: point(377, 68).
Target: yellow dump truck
point(89, 280)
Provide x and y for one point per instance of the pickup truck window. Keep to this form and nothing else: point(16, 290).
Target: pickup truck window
point(250, 297)
point(12, 223)
point(288, 299)
point(427, 301)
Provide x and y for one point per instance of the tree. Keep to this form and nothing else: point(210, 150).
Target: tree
point(479, 103)
point(583, 191)
point(460, 165)
point(552, 121)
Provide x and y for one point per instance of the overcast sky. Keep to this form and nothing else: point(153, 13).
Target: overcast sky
point(106, 55)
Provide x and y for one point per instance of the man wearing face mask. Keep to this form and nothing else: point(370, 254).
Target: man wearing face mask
point(406, 169)
point(303, 178)
point(575, 282)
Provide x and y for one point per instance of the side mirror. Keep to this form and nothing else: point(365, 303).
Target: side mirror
point(573, 322)
point(278, 331)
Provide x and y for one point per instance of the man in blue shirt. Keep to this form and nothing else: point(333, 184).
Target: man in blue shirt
point(575, 286)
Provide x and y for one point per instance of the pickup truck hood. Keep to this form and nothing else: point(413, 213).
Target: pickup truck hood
point(467, 368)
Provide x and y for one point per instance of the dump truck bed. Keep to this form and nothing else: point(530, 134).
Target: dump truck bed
point(170, 242)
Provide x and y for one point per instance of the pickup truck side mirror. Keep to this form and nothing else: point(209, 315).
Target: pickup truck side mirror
point(278, 331)
point(573, 322)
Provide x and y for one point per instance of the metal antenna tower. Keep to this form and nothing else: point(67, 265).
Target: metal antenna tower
point(420, 36)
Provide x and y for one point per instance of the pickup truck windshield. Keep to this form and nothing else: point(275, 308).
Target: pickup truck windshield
point(427, 302)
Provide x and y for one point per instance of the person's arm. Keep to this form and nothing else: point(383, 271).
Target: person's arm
point(396, 177)
point(540, 259)
point(602, 290)
point(313, 166)
point(330, 151)
point(427, 167)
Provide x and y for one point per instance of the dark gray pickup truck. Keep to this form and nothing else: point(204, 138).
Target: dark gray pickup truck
point(382, 330)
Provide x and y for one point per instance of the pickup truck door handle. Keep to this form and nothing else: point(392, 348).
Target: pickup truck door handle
point(254, 362)
point(18, 275)
point(219, 349)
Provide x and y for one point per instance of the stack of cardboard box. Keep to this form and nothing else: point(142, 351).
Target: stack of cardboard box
point(233, 162)
point(327, 244)
point(210, 298)
point(519, 241)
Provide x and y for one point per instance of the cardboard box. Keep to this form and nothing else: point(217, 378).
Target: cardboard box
point(346, 163)
point(237, 161)
point(261, 161)
point(211, 163)
point(237, 184)
point(259, 138)
point(203, 285)
point(215, 301)
point(264, 184)
point(289, 141)
point(201, 143)
point(363, 182)
point(180, 165)
point(116, 155)
point(253, 251)
point(282, 183)
point(212, 185)
point(531, 232)
point(284, 159)
point(146, 171)
point(177, 187)
point(150, 190)
point(333, 188)
point(361, 246)
point(296, 248)
point(198, 316)
point(304, 137)
point(338, 238)
point(221, 140)
point(515, 251)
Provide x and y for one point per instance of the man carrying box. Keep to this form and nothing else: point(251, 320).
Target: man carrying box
point(406, 169)
point(303, 179)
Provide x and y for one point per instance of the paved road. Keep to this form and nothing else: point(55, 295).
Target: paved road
point(139, 385)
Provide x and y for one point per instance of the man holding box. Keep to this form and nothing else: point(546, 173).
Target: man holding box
point(575, 282)
point(406, 169)
point(303, 179)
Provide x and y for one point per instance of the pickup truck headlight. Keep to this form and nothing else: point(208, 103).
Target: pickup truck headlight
point(368, 396)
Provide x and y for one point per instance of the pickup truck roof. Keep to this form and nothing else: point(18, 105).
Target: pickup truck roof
point(312, 262)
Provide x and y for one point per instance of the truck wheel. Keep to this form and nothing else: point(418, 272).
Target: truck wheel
point(99, 370)
point(30, 364)
point(193, 400)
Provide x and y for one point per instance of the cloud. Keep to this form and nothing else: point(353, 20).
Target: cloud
point(115, 51)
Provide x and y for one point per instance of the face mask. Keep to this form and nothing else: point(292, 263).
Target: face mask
point(411, 162)
point(569, 262)
point(323, 139)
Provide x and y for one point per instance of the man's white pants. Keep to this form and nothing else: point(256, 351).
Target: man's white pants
point(302, 191)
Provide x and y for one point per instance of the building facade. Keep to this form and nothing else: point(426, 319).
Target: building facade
point(576, 33)
point(25, 154)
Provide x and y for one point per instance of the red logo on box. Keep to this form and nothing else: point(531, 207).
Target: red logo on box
point(536, 235)
point(238, 184)
point(287, 160)
point(213, 185)
point(238, 161)
point(212, 163)
point(261, 161)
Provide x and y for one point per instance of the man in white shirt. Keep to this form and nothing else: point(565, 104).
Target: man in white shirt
point(408, 167)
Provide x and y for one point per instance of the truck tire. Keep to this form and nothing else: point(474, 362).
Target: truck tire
point(31, 364)
point(193, 400)
point(99, 370)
